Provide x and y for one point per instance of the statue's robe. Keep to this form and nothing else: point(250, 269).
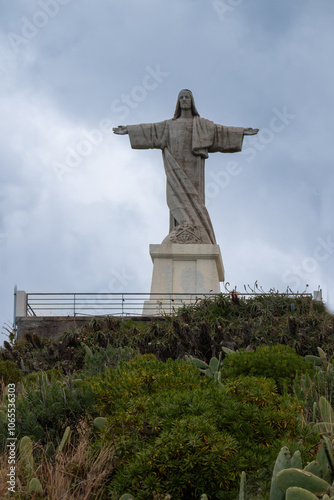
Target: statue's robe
point(185, 144)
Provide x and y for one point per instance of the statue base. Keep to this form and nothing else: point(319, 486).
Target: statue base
point(180, 270)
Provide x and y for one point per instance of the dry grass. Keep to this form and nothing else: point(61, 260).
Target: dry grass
point(75, 474)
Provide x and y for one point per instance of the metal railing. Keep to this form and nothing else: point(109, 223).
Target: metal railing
point(113, 304)
point(119, 304)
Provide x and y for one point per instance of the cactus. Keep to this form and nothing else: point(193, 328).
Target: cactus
point(303, 479)
point(35, 485)
point(331, 492)
point(329, 452)
point(88, 351)
point(326, 411)
point(204, 497)
point(296, 460)
point(127, 496)
point(314, 468)
point(228, 351)
point(320, 361)
point(197, 362)
point(100, 423)
point(313, 359)
point(65, 439)
point(322, 460)
point(214, 365)
point(242, 492)
point(314, 412)
point(214, 368)
point(296, 493)
point(324, 427)
point(322, 354)
point(211, 369)
point(283, 461)
point(26, 453)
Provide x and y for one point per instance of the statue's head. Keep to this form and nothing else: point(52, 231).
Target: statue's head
point(185, 99)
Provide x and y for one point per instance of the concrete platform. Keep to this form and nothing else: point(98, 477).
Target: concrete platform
point(183, 269)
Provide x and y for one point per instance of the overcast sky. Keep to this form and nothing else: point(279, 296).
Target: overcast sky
point(79, 207)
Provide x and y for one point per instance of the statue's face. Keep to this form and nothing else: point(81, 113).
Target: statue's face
point(185, 99)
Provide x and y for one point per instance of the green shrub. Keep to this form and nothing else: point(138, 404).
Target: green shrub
point(169, 424)
point(46, 409)
point(10, 373)
point(279, 362)
point(32, 379)
point(99, 359)
point(186, 460)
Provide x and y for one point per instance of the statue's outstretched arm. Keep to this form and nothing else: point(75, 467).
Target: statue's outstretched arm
point(120, 130)
point(251, 131)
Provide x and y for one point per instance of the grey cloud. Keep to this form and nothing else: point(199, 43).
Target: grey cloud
point(81, 233)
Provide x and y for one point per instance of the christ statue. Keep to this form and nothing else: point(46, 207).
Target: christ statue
point(186, 141)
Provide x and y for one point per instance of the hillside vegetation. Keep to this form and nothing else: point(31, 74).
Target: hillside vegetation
point(194, 404)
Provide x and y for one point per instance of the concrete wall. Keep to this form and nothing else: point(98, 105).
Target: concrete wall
point(54, 326)
point(51, 327)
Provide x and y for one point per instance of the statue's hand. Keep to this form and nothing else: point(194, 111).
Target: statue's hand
point(251, 131)
point(120, 130)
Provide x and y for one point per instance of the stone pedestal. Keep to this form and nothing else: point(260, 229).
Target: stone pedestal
point(180, 270)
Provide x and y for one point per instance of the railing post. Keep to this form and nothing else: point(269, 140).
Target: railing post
point(20, 304)
point(74, 304)
point(14, 318)
point(122, 306)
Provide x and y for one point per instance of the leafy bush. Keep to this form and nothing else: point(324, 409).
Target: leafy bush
point(198, 330)
point(186, 460)
point(9, 372)
point(33, 378)
point(170, 430)
point(170, 424)
point(279, 362)
point(99, 359)
point(44, 410)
